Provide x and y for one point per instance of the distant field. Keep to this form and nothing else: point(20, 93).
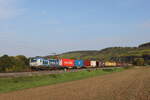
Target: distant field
point(17, 83)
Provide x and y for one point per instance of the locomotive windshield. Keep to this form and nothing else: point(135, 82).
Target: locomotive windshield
point(33, 60)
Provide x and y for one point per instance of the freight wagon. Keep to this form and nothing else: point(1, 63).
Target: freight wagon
point(87, 63)
point(93, 63)
point(110, 64)
point(67, 63)
point(101, 64)
point(79, 63)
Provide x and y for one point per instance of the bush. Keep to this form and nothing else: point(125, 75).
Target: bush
point(138, 61)
point(5, 63)
point(9, 64)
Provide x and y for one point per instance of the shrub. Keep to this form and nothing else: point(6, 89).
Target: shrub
point(9, 64)
point(138, 61)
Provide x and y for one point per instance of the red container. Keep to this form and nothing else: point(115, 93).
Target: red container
point(67, 62)
point(87, 63)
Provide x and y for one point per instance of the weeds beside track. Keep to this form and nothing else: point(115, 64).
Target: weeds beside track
point(17, 83)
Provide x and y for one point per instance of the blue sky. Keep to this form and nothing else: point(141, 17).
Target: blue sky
point(42, 27)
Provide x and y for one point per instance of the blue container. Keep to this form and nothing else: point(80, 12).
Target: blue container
point(79, 63)
point(54, 63)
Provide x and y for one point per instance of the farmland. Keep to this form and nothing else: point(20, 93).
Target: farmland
point(17, 81)
point(131, 84)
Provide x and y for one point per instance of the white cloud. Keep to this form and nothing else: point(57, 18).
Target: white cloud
point(9, 9)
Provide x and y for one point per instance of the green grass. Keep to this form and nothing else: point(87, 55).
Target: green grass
point(18, 83)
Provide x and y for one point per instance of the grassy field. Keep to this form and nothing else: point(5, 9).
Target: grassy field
point(18, 83)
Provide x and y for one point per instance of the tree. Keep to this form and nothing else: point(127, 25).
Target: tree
point(5, 62)
point(138, 61)
point(9, 64)
point(20, 63)
point(23, 59)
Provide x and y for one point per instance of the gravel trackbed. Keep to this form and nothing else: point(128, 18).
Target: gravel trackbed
point(131, 84)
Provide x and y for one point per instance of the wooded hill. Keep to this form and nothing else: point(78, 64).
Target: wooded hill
point(122, 54)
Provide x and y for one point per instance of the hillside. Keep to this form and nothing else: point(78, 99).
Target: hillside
point(145, 45)
point(105, 54)
point(124, 54)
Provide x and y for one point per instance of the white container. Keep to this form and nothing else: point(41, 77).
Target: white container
point(93, 63)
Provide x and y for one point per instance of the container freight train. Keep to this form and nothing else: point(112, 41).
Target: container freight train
point(42, 63)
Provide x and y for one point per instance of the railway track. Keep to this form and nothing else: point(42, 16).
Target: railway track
point(47, 72)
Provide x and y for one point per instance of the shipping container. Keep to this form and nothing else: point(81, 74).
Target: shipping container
point(101, 64)
point(110, 64)
point(93, 63)
point(87, 63)
point(79, 63)
point(67, 62)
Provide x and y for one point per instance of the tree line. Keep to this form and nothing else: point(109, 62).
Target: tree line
point(135, 60)
point(14, 63)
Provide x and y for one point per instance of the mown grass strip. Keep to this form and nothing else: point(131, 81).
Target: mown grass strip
point(18, 83)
